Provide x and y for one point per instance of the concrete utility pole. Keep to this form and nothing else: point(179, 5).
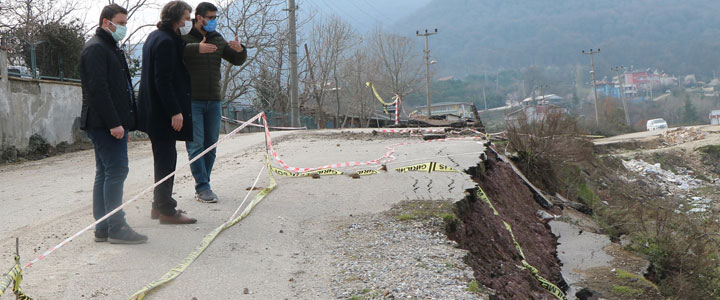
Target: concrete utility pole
point(292, 45)
point(427, 64)
point(622, 93)
point(592, 65)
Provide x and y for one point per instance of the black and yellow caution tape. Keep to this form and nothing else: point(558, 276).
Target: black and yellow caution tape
point(426, 167)
point(368, 172)
point(322, 172)
point(14, 278)
point(481, 194)
point(546, 284)
point(206, 241)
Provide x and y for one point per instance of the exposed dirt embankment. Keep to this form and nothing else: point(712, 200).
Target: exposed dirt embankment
point(492, 253)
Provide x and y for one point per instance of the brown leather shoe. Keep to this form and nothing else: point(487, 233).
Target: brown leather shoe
point(178, 218)
point(154, 214)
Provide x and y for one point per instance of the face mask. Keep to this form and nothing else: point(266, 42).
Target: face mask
point(119, 33)
point(211, 25)
point(184, 30)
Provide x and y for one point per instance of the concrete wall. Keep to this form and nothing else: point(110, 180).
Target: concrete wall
point(27, 107)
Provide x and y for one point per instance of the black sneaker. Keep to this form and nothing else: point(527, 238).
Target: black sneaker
point(126, 236)
point(206, 196)
point(101, 236)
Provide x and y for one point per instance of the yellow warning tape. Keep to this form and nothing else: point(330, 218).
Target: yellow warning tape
point(372, 86)
point(368, 172)
point(481, 194)
point(14, 277)
point(285, 173)
point(546, 284)
point(426, 167)
point(207, 240)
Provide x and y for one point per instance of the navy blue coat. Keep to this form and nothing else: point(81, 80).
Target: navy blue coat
point(108, 99)
point(164, 87)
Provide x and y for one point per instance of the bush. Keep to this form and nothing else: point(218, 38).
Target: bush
point(546, 145)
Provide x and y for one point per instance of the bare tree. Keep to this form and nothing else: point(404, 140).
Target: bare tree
point(357, 70)
point(400, 62)
point(330, 40)
point(260, 25)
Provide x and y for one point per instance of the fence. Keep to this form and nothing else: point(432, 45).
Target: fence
point(35, 73)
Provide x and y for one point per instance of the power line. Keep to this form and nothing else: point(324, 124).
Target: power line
point(335, 8)
point(365, 12)
point(373, 7)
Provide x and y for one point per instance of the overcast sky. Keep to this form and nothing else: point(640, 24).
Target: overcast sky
point(90, 14)
point(363, 15)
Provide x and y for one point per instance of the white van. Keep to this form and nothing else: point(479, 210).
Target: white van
point(656, 124)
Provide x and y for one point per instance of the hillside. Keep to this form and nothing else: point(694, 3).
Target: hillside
point(678, 37)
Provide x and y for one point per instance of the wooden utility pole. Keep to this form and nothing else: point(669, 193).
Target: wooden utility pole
point(622, 93)
point(427, 65)
point(292, 44)
point(592, 65)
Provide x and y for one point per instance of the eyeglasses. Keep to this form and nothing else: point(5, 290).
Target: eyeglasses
point(209, 17)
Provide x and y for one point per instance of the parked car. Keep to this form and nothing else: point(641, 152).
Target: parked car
point(656, 124)
point(19, 71)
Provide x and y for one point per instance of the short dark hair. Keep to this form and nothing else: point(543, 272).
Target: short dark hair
point(171, 13)
point(205, 7)
point(109, 12)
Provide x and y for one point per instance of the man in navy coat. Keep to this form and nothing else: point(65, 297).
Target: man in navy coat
point(164, 104)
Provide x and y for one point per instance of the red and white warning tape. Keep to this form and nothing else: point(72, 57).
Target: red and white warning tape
point(417, 130)
point(388, 157)
point(136, 197)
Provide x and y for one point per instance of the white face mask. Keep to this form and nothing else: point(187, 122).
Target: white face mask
point(184, 30)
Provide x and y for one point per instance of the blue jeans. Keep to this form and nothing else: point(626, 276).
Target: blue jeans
point(111, 170)
point(206, 118)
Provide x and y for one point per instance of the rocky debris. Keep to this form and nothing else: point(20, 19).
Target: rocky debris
point(427, 137)
point(682, 135)
point(683, 182)
point(378, 257)
point(587, 294)
point(562, 202)
point(679, 186)
point(545, 215)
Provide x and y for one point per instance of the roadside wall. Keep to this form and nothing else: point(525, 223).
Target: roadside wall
point(48, 108)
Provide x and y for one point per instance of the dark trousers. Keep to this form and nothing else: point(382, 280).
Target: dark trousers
point(165, 159)
point(111, 170)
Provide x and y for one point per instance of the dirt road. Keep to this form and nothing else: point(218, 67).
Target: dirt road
point(276, 253)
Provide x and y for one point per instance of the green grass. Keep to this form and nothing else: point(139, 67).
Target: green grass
point(474, 287)
point(405, 217)
point(711, 150)
point(420, 210)
point(622, 274)
point(587, 195)
point(627, 291)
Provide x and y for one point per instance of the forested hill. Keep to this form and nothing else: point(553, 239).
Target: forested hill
point(475, 35)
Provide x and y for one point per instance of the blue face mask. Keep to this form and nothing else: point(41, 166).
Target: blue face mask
point(211, 25)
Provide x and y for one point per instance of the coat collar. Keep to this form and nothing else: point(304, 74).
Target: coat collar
point(106, 37)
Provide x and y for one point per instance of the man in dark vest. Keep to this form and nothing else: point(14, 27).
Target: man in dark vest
point(164, 103)
point(108, 114)
point(203, 54)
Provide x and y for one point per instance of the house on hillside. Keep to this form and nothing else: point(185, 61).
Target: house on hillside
point(533, 113)
point(608, 89)
point(649, 80)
